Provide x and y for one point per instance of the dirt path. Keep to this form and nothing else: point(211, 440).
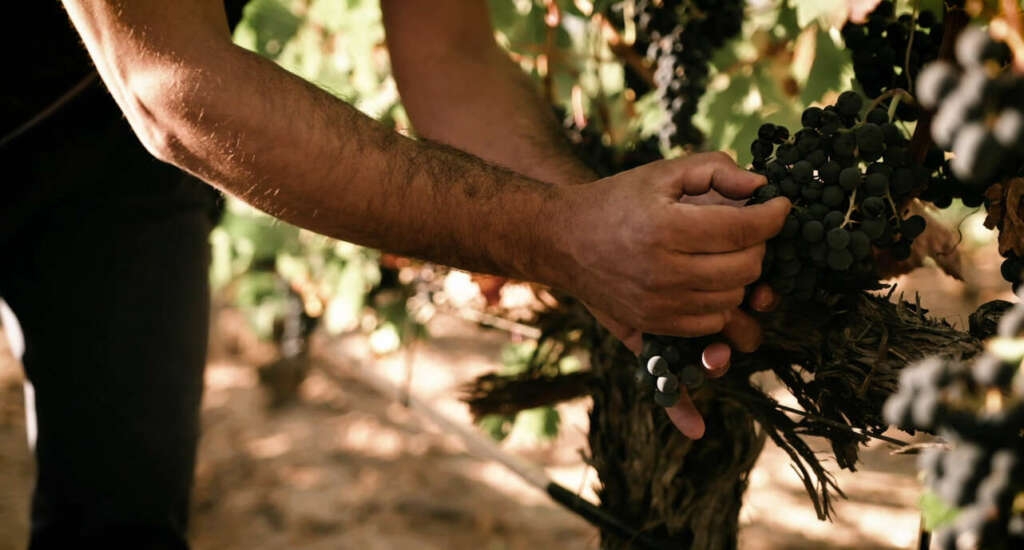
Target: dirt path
point(348, 468)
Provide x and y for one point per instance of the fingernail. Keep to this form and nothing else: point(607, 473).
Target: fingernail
point(716, 356)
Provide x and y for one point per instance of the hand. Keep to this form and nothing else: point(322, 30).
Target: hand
point(648, 260)
point(742, 331)
point(745, 334)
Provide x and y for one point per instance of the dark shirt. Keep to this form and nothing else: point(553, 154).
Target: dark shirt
point(50, 59)
point(85, 153)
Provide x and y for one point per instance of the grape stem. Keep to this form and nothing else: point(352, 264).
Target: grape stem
point(892, 107)
point(910, 44)
point(622, 48)
point(887, 94)
point(892, 203)
point(850, 210)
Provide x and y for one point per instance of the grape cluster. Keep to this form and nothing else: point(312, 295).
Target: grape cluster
point(943, 186)
point(979, 409)
point(680, 37)
point(979, 108)
point(663, 369)
point(844, 177)
point(979, 117)
point(588, 143)
point(879, 48)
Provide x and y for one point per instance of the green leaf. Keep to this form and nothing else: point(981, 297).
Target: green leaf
point(935, 511)
point(503, 14)
point(540, 423)
point(830, 71)
point(787, 21)
point(515, 357)
point(498, 426)
point(270, 25)
point(745, 135)
point(721, 110)
point(935, 6)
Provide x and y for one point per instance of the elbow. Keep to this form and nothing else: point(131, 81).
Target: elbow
point(154, 117)
point(161, 106)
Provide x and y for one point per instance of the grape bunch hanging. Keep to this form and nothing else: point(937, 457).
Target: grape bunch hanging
point(666, 366)
point(679, 37)
point(978, 103)
point(845, 178)
point(979, 409)
point(889, 51)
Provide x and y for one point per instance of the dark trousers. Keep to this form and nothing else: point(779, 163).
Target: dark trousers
point(103, 259)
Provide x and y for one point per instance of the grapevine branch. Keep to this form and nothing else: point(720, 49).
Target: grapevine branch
point(837, 347)
point(626, 53)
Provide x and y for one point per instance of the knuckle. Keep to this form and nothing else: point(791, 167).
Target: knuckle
point(722, 157)
point(718, 323)
point(752, 272)
point(646, 312)
point(701, 278)
point(736, 298)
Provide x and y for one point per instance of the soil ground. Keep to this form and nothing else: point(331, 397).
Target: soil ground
point(346, 467)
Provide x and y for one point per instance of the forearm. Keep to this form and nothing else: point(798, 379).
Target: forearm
point(245, 125)
point(461, 88)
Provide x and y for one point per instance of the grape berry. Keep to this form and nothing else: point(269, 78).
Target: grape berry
point(680, 37)
point(663, 369)
point(845, 177)
point(979, 409)
point(879, 49)
point(979, 117)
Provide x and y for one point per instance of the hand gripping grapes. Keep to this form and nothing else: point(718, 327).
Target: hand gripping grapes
point(698, 252)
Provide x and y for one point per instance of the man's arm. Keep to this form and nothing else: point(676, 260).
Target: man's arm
point(240, 122)
point(460, 87)
point(247, 126)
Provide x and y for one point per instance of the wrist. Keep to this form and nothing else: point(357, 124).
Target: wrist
point(551, 238)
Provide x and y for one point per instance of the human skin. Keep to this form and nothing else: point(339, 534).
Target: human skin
point(643, 259)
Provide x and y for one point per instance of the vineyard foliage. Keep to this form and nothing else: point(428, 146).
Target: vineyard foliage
point(827, 108)
point(788, 55)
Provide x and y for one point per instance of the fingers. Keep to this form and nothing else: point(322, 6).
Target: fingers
point(634, 341)
point(686, 417)
point(696, 302)
point(692, 326)
point(697, 174)
point(716, 359)
point(718, 228)
point(724, 271)
point(763, 299)
point(743, 331)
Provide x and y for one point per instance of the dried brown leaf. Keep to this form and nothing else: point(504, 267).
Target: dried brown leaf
point(1011, 227)
point(938, 242)
point(994, 196)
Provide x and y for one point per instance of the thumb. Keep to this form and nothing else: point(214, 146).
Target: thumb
point(698, 174)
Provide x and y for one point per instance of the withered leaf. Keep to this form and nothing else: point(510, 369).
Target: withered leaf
point(938, 242)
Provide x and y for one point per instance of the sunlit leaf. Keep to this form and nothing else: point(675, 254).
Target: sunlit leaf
point(936, 512)
point(829, 72)
point(828, 12)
